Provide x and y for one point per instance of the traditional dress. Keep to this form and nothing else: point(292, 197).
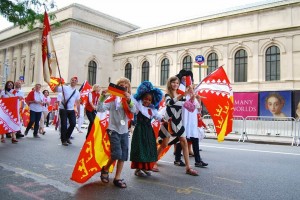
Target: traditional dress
point(143, 145)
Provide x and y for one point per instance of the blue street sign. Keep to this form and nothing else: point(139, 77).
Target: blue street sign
point(199, 59)
point(21, 78)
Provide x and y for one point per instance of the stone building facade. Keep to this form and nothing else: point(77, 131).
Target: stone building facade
point(259, 47)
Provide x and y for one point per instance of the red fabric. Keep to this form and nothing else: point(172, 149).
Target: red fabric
point(142, 165)
point(84, 90)
point(124, 104)
point(9, 115)
point(188, 81)
point(181, 89)
point(95, 98)
point(149, 112)
point(30, 97)
point(200, 121)
point(54, 82)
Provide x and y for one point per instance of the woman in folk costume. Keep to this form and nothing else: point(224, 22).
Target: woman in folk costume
point(120, 112)
point(143, 145)
point(174, 104)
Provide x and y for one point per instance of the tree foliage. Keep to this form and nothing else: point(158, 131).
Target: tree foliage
point(25, 12)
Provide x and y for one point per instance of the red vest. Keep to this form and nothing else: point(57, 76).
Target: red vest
point(95, 98)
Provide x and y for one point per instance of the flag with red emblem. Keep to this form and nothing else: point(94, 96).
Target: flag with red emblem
point(84, 91)
point(25, 115)
point(95, 152)
point(9, 115)
point(218, 100)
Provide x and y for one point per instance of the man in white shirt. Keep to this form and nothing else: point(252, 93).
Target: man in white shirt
point(70, 98)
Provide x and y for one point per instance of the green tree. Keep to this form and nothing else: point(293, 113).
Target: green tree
point(25, 12)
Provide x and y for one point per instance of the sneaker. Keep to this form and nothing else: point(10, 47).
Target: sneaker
point(179, 163)
point(201, 164)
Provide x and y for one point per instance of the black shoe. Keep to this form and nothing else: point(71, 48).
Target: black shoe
point(20, 135)
point(201, 164)
point(69, 141)
point(179, 163)
point(26, 132)
point(8, 135)
point(64, 144)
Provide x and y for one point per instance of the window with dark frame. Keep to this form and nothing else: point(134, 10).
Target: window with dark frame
point(145, 71)
point(164, 72)
point(212, 62)
point(273, 64)
point(240, 66)
point(128, 71)
point(92, 72)
point(187, 63)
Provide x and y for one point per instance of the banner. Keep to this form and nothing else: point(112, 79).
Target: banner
point(245, 104)
point(9, 115)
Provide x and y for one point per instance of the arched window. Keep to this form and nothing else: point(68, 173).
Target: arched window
point(128, 70)
point(273, 64)
point(164, 72)
point(187, 63)
point(92, 72)
point(240, 66)
point(145, 71)
point(212, 62)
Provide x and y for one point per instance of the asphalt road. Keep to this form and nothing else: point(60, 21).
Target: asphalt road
point(41, 169)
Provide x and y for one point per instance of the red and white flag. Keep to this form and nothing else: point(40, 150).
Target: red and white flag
point(181, 89)
point(84, 91)
point(48, 51)
point(9, 115)
point(219, 100)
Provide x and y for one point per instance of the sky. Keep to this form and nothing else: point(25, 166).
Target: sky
point(152, 13)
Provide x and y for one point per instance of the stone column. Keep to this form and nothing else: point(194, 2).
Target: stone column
point(9, 59)
point(18, 65)
point(27, 79)
point(38, 63)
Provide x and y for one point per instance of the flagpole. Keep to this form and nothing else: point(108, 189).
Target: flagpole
point(63, 93)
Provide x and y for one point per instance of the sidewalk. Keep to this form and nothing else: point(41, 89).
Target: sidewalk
point(255, 138)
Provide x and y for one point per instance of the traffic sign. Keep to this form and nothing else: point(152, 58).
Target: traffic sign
point(199, 59)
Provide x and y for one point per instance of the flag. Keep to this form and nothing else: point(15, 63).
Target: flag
point(94, 154)
point(188, 81)
point(181, 89)
point(55, 82)
point(219, 100)
point(9, 115)
point(25, 115)
point(48, 51)
point(116, 90)
point(84, 90)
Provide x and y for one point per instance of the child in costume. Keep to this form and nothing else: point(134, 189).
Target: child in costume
point(120, 112)
point(143, 145)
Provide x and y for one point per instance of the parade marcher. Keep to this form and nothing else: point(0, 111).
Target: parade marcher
point(120, 112)
point(143, 154)
point(35, 99)
point(174, 103)
point(7, 93)
point(19, 93)
point(45, 112)
point(91, 106)
point(70, 98)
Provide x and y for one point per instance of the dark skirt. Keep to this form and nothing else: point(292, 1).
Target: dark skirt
point(143, 152)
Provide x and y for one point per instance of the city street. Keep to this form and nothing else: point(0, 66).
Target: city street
point(40, 168)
